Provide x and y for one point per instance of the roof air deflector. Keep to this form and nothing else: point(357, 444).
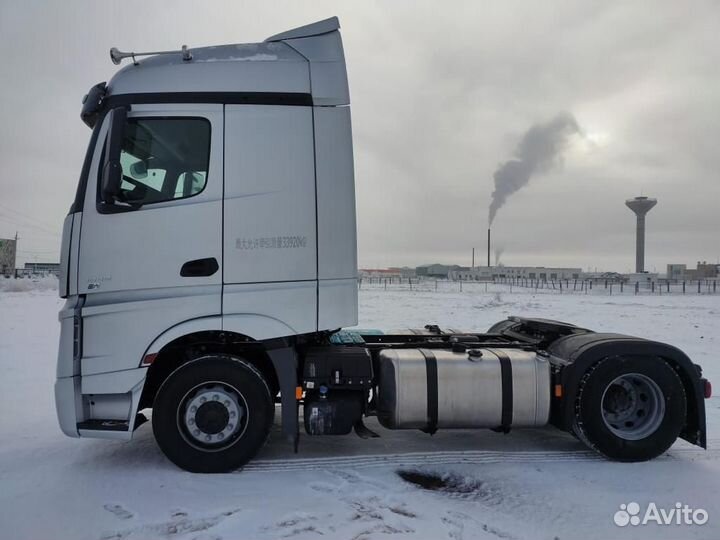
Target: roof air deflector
point(314, 29)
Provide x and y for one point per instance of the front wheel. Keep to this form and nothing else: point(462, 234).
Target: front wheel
point(630, 408)
point(212, 414)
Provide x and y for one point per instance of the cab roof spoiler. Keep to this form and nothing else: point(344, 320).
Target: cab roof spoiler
point(315, 29)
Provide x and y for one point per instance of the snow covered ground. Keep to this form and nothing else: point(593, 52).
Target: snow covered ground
point(528, 484)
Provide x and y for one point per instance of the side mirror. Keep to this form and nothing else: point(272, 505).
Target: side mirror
point(112, 169)
point(139, 169)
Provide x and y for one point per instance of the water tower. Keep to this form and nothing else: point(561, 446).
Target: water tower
point(641, 206)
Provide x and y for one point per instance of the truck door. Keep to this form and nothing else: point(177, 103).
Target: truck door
point(270, 237)
point(153, 258)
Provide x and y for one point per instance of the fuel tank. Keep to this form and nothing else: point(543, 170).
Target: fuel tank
point(478, 388)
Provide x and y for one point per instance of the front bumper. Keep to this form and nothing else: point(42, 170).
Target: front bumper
point(91, 404)
point(101, 406)
point(68, 404)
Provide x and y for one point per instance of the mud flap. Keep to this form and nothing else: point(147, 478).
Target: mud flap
point(285, 363)
point(364, 432)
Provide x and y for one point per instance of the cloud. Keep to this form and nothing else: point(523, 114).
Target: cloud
point(438, 98)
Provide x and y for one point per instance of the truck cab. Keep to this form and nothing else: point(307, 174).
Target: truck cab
point(234, 213)
point(209, 260)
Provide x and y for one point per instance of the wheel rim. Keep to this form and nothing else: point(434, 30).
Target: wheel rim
point(212, 416)
point(633, 406)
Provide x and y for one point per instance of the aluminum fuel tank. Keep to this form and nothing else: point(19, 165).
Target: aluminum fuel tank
point(437, 388)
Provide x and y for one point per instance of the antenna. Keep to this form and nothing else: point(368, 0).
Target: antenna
point(117, 56)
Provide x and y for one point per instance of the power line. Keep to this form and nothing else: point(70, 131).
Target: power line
point(15, 222)
point(27, 223)
point(27, 217)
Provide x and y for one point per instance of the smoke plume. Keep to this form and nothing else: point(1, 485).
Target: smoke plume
point(499, 250)
point(540, 148)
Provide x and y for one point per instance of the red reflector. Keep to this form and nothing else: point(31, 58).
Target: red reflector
point(708, 389)
point(149, 359)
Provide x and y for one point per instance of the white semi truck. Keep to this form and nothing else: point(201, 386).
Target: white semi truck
point(209, 265)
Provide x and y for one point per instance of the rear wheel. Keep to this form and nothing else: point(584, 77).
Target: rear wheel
point(630, 408)
point(212, 414)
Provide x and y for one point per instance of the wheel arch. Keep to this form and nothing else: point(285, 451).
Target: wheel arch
point(576, 354)
point(185, 347)
point(253, 326)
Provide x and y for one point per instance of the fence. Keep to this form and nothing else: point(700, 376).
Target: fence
point(19, 273)
point(565, 286)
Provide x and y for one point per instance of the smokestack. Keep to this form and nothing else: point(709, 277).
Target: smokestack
point(488, 248)
point(641, 206)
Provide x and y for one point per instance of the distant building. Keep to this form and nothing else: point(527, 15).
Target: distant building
point(704, 270)
point(436, 270)
point(640, 277)
point(540, 273)
point(404, 271)
point(604, 277)
point(42, 268)
point(380, 272)
point(479, 273)
point(8, 249)
point(676, 271)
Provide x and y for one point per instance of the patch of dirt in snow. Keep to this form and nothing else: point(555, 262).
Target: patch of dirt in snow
point(378, 509)
point(451, 484)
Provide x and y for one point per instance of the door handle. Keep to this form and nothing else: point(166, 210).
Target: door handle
point(200, 267)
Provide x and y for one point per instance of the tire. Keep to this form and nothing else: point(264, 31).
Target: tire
point(630, 408)
point(213, 414)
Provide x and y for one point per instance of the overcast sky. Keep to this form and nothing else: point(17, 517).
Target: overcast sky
point(442, 93)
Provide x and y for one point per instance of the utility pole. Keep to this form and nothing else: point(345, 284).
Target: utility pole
point(15, 270)
point(473, 258)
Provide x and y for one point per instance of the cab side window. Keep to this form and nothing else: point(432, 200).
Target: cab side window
point(163, 159)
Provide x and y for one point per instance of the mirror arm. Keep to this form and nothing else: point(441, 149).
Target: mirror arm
point(127, 204)
point(112, 169)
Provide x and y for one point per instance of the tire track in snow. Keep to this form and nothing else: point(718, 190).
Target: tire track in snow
point(466, 457)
